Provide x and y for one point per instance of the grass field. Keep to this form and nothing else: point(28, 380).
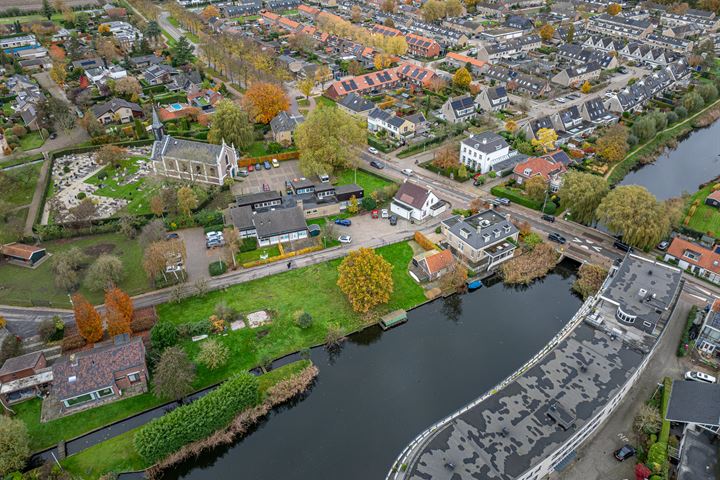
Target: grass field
point(31, 141)
point(366, 180)
point(56, 17)
point(259, 149)
point(22, 286)
point(20, 184)
point(321, 100)
point(136, 193)
point(706, 219)
point(252, 255)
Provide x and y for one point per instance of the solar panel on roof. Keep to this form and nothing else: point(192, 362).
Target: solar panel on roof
point(353, 84)
point(345, 85)
point(369, 81)
point(422, 75)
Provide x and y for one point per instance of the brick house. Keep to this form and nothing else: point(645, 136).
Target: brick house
point(546, 167)
point(23, 377)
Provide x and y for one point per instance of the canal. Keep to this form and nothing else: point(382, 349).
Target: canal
point(696, 160)
point(381, 389)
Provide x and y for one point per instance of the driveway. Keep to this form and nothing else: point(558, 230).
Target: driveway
point(365, 229)
point(198, 257)
point(275, 178)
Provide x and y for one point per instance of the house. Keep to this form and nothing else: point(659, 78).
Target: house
point(355, 104)
point(639, 293)
point(363, 84)
point(108, 372)
point(492, 99)
point(459, 109)
point(545, 166)
point(519, 22)
point(481, 241)
point(420, 46)
point(17, 42)
point(619, 26)
point(696, 259)
point(326, 199)
point(283, 126)
point(433, 264)
point(117, 110)
point(88, 63)
point(143, 61)
point(501, 34)
point(576, 76)
point(269, 226)
point(159, 74)
point(35, 64)
point(713, 199)
point(483, 151)
point(24, 377)
point(26, 255)
point(458, 60)
point(243, 8)
point(708, 340)
point(570, 124)
point(204, 99)
point(260, 200)
point(416, 75)
point(386, 121)
point(517, 82)
point(594, 111)
point(417, 203)
point(189, 160)
point(634, 97)
point(697, 405)
point(511, 49)
point(580, 56)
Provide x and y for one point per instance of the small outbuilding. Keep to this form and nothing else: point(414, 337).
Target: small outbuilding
point(27, 255)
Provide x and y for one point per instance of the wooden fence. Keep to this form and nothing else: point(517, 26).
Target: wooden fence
point(246, 161)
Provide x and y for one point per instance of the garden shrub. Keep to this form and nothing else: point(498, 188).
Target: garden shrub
point(368, 203)
point(214, 228)
point(685, 338)
point(423, 241)
point(72, 342)
point(193, 329)
point(81, 195)
point(248, 244)
point(163, 335)
point(189, 423)
point(217, 268)
point(142, 324)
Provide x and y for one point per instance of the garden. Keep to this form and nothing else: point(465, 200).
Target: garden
point(700, 217)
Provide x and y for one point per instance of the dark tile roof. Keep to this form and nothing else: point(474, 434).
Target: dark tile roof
point(23, 362)
point(284, 122)
point(356, 103)
point(253, 198)
point(114, 105)
point(186, 150)
point(412, 194)
point(694, 402)
point(279, 221)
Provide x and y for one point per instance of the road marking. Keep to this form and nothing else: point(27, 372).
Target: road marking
point(585, 247)
point(698, 297)
point(597, 249)
point(577, 240)
point(589, 241)
point(701, 290)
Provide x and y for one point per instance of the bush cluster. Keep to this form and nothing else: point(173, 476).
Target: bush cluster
point(167, 434)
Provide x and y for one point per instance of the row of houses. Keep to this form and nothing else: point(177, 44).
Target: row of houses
point(639, 51)
point(417, 45)
point(634, 97)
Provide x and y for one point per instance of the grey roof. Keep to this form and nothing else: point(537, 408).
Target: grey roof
point(279, 221)
point(114, 105)
point(513, 430)
point(386, 116)
point(495, 93)
point(86, 63)
point(151, 59)
point(699, 458)
point(23, 362)
point(416, 118)
point(253, 198)
point(595, 109)
point(694, 402)
point(284, 122)
point(412, 194)
point(643, 288)
point(356, 103)
point(486, 142)
point(186, 150)
point(241, 217)
point(462, 102)
point(479, 230)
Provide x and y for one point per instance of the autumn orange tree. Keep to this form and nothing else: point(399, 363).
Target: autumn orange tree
point(118, 311)
point(209, 12)
point(366, 278)
point(87, 319)
point(613, 9)
point(447, 157)
point(265, 100)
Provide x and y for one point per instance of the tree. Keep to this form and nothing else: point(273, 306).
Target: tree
point(157, 205)
point(181, 52)
point(389, 22)
point(634, 213)
point(586, 87)
point(321, 75)
point(265, 101)
point(105, 272)
point(648, 420)
point(84, 211)
point(87, 319)
point(642, 472)
point(388, 6)
point(644, 128)
point(382, 61)
point(213, 354)
point(232, 244)
point(396, 45)
point(209, 12)
point(511, 126)
point(152, 31)
point(61, 112)
point(91, 124)
point(47, 10)
point(163, 335)
point(65, 266)
point(231, 124)
point(329, 140)
point(106, 48)
point(154, 231)
point(536, 187)
point(356, 14)
point(433, 10)
point(546, 138)
point(447, 157)
point(453, 8)
point(455, 278)
point(174, 375)
point(305, 86)
point(14, 444)
point(365, 278)
point(118, 311)
point(570, 36)
point(707, 91)
point(581, 193)
point(590, 279)
point(612, 145)
point(110, 155)
point(546, 32)
point(462, 77)
point(128, 87)
point(613, 9)
point(187, 200)
point(693, 102)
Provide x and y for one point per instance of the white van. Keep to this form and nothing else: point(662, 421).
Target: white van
point(699, 377)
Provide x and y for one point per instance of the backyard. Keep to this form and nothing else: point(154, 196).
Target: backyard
point(705, 219)
point(31, 141)
point(367, 180)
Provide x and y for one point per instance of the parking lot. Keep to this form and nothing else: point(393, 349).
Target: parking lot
point(274, 178)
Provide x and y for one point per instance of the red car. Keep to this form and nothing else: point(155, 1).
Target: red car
point(251, 167)
point(375, 214)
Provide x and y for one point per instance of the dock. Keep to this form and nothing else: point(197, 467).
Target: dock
point(393, 319)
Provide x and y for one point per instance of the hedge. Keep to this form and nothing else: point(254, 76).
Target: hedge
point(22, 160)
point(189, 423)
point(524, 201)
point(665, 430)
point(685, 338)
point(217, 268)
point(379, 145)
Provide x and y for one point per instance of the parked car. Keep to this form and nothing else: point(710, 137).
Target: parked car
point(624, 452)
point(343, 221)
point(324, 178)
point(251, 167)
point(378, 165)
point(393, 220)
point(502, 201)
point(258, 167)
point(556, 237)
point(385, 213)
point(548, 218)
point(622, 246)
point(663, 245)
point(375, 213)
point(53, 136)
point(172, 236)
point(407, 171)
point(275, 163)
point(267, 165)
point(696, 376)
point(345, 239)
point(373, 150)
point(242, 172)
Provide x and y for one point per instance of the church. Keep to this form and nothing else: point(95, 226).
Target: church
point(191, 161)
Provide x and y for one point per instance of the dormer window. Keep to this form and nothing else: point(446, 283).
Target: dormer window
point(527, 172)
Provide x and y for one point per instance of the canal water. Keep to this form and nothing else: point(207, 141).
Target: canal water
point(696, 160)
point(381, 389)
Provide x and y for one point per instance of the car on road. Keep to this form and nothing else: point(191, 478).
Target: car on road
point(393, 220)
point(373, 150)
point(502, 201)
point(343, 221)
point(275, 163)
point(407, 171)
point(251, 167)
point(622, 246)
point(267, 165)
point(548, 218)
point(556, 237)
point(385, 213)
point(258, 167)
point(53, 136)
point(624, 452)
point(560, 100)
point(344, 239)
point(172, 236)
point(695, 376)
point(663, 245)
point(378, 165)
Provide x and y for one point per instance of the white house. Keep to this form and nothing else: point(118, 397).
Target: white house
point(414, 202)
point(481, 152)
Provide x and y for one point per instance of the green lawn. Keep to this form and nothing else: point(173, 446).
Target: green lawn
point(303, 102)
point(368, 181)
point(21, 286)
point(174, 22)
point(31, 141)
point(252, 255)
point(114, 185)
point(12, 225)
point(21, 184)
point(322, 100)
point(706, 219)
point(7, 109)
point(56, 17)
point(259, 149)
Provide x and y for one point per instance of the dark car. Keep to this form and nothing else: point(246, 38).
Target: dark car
point(624, 452)
point(556, 237)
point(171, 236)
point(53, 136)
point(548, 218)
point(258, 167)
point(267, 165)
point(622, 246)
point(378, 165)
point(343, 221)
point(393, 220)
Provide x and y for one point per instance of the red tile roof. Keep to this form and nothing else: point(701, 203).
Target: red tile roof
point(439, 261)
point(539, 166)
point(307, 9)
point(465, 59)
point(709, 260)
point(369, 81)
point(715, 196)
point(20, 250)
